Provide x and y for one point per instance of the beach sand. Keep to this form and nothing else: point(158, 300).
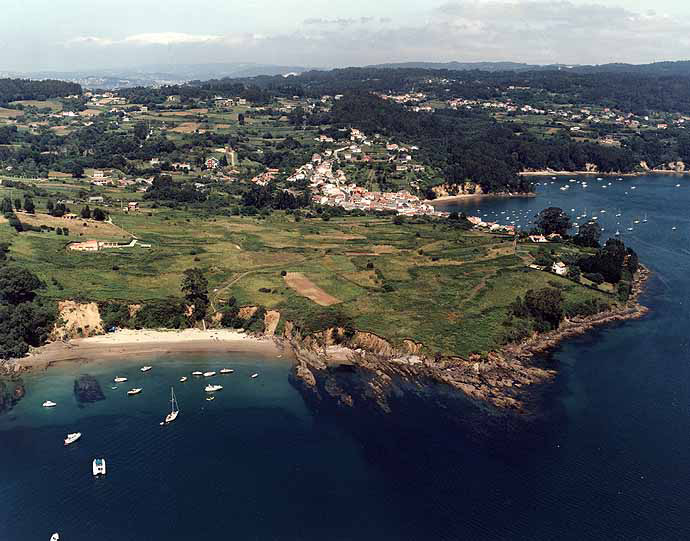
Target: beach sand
point(128, 343)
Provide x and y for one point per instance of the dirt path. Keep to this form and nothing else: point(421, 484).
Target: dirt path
point(305, 287)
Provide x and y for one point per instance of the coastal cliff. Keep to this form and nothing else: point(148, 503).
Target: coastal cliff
point(499, 381)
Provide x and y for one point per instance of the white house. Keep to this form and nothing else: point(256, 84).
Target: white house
point(559, 268)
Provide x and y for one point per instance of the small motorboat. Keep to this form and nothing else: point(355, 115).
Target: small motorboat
point(183, 379)
point(98, 466)
point(209, 374)
point(134, 391)
point(120, 379)
point(55, 537)
point(256, 375)
point(71, 438)
point(146, 368)
point(49, 404)
point(673, 228)
point(212, 388)
point(226, 370)
point(197, 373)
point(209, 398)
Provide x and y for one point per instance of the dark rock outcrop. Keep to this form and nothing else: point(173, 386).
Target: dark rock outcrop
point(87, 389)
point(11, 392)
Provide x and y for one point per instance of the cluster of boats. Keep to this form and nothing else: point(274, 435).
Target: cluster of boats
point(98, 466)
point(169, 418)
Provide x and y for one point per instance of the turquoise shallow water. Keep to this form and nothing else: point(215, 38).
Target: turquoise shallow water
point(611, 460)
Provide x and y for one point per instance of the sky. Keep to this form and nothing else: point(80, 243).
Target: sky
point(73, 35)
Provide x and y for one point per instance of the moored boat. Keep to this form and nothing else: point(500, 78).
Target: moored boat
point(183, 379)
point(98, 466)
point(146, 368)
point(71, 438)
point(256, 375)
point(212, 388)
point(134, 391)
point(55, 537)
point(174, 409)
point(49, 404)
point(120, 379)
point(209, 374)
point(197, 373)
point(226, 370)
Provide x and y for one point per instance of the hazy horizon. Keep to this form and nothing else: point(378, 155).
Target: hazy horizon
point(86, 35)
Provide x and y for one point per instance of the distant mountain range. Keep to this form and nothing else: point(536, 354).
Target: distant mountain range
point(156, 75)
point(681, 67)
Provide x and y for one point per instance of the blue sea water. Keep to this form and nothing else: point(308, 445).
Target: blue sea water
point(267, 460)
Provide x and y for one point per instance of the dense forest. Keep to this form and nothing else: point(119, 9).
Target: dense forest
point(25, 318)
point(25, 89)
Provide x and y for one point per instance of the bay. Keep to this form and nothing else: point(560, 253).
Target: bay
point(266, 460)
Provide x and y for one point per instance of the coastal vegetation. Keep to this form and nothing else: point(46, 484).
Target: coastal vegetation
point(430, 280)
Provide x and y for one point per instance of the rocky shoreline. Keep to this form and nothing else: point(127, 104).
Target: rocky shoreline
point(498, 382)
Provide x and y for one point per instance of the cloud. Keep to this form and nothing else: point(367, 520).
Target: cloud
point(339, 21)
point(534, 31)
point(170, 38)
point(153, 38)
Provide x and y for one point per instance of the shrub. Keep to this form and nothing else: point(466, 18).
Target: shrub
point(167, 313)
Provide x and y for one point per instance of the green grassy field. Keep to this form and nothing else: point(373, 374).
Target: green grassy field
point(446, 288)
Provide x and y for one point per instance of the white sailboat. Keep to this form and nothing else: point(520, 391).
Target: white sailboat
point(174, 409)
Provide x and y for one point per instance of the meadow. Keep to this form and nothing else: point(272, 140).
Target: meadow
point(429, 282)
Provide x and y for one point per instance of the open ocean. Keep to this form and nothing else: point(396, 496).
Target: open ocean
point(265, 461)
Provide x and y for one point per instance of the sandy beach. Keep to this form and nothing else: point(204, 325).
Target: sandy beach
point(128, 343)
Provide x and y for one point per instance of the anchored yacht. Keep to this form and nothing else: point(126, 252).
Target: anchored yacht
point(71, 438)
point(174, 409)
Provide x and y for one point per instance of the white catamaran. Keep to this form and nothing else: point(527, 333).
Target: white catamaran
point(174, 409)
